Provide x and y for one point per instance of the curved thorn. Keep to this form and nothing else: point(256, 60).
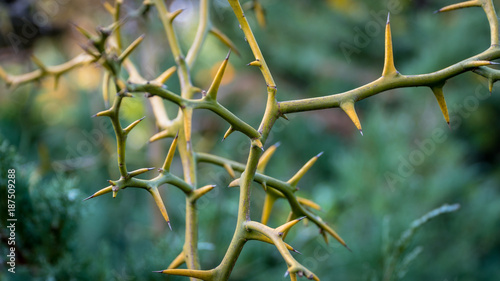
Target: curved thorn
point(466, 4)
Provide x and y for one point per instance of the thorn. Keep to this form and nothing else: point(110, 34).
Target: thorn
point(255, 63)
point(228, 132)
point(286, 273)
point(260, 14)
point(160, 80)
point(347, 247)
point(300, 173)
point(224, 39)
point(438, 93)
point(139, 171)
point(257, 143)
point(83, 31)
point(170, 154)
point(90, 197)
point(212, 91)
point(131, 126)
point(159, 203)
point(490, 84)
point(266, 156)
point(234, 183)
point(466, 4)
point(348, 108)
point(202, 191)
point(295, 250)
point(169, 226)
point(319, 154)
point(131, 48)
point(284, 117)
point(159, 271)
point(229, 170)
point(389, 68)
point(173, 15)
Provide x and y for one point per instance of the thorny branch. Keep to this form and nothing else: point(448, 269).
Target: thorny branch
point(106, 49)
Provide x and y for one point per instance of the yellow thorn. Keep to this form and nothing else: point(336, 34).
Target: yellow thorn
point(100, 192)
point(212, 91)
point(308, 203)
point(139, 171)
point(466, 4)
point(178, 261)
point(348, 107)
point(438, 93)
point(491, 81)
point(229, 170)
point(170, 155)
point(255, 63)
point(159, 202)
point(83, 31)
point(257, 143)
point(202, 191)
point(234, 183)
point(334, 235)
point(131, 126)
point(224, 39)
point(198, 274)
point(266, 156)
point(109, 8)
point(108, 113)
point(161, 135)
point(228, 132)
point(296, 178)
point(131, 48)
point(268, 207)
point(389, 68)
point(160, 80)
point(285, 227)
point(173, 15)
point(478, 63)
point(260, 14)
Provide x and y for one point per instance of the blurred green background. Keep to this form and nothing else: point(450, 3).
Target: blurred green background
point(370, 188)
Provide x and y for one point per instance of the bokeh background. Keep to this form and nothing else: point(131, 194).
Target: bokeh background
point(370, 187)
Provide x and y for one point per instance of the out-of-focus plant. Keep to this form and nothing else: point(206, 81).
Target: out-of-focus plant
point(107, 48)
